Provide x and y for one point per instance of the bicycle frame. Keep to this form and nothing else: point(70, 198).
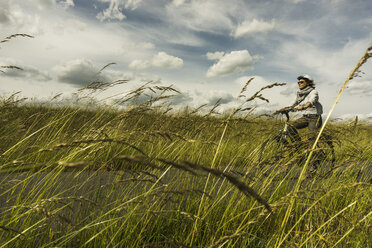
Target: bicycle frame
point(284, 133)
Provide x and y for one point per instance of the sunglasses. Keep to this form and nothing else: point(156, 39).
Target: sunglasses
point(301, 82)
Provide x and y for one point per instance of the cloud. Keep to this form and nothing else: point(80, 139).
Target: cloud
point(178, 2)
point(47, 4)
point(130, 45)
point(68, 3)
point(236, 61)
point(132, 4)
point(289, 90)
point(253, 27)
point(16, 19)
point(114, 11)
point(348, 117)
point(43, 4)
point(82, 72)
point(360, 88)
point(5, 15)
point(27, 72)
point(166, 61)
point(162, 60)
point(140, 64)
point(215, 55)
point(226, 98)
point(181, 99)
point(207, 15)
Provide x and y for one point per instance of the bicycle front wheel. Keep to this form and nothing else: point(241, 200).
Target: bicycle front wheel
point(275, 148)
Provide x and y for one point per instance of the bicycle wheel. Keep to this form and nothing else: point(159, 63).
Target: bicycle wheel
point(275, 148)
point(325, 153)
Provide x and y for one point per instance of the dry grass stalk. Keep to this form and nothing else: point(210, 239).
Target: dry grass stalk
point(245, 87)
point(98, 85)
point(9, 229)
point(109, 64)
point(167, 110)
point(76, 164)
point(222, 240)
point(93, 141)
point(152, 100)
point(244, 188)
point(15, 35)
point(198, 108)
point(190, 191)
point(134, 94)
point(165, 135)
point(56, 96)
point(11, 100)
point(10, 67)
point(166, 244)
point(215, 106)
point(258, 95)
point(167, 88)
point(139, 160)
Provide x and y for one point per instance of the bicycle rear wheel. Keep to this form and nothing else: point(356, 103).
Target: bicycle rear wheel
point(324, 152)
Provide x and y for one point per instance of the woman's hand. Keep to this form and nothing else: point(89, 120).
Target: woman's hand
point(303, 107)
point(280, 110)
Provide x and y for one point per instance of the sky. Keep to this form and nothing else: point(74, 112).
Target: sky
point(206, 49)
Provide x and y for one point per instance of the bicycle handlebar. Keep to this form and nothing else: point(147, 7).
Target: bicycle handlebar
point(286, 112)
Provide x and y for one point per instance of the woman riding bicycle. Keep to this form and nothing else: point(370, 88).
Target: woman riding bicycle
point(307, 101)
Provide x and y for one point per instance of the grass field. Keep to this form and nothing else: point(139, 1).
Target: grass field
point(76, 176)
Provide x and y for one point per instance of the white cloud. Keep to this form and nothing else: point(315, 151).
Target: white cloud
point(47, 4)
point(348, 117)
point(114, 11)
point(252, 27)
point(132, 4)
point(67, 3)
point(166, 61)
point(139, 65)
point(207, 15)
point(236, 61)
point(15, 19)
point(215, 55)
point(162, 60)
point(43, 4)
point(27, 73)
point(137, 45)
point(178, 2)
point(360, 87)
point(326, 66)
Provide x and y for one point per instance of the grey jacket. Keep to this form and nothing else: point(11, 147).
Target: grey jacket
point(315, 107)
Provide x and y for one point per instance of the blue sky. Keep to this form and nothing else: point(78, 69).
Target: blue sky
point(207, 49)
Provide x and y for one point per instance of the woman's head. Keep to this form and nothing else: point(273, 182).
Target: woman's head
point(305, 80)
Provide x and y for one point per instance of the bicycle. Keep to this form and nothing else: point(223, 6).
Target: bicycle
point(288, 144)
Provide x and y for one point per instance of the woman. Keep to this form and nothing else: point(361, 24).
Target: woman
point(307, 101)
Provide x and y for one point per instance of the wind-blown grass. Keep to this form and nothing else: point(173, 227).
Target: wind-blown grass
point(146, 176)
point(72, 176)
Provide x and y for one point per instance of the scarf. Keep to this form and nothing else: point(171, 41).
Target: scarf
point(302, 93)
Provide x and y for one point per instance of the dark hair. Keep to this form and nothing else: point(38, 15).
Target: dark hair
point(309, 81)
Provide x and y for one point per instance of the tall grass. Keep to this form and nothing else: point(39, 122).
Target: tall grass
point(76, 176)
point(146, 176)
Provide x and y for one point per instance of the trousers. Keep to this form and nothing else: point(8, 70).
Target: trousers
point(312, 122)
